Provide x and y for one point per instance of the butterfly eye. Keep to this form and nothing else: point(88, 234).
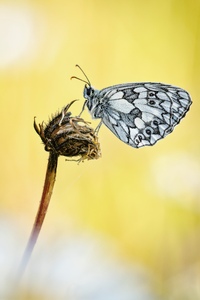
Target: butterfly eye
point(152, 94)
point(152, 102)
point(88, 91)
point(148, 131)
point(155, 123)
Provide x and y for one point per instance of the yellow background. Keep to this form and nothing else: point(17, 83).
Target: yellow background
point(146, 201)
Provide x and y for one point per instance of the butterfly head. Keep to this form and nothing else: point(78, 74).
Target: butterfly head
point(89, 92)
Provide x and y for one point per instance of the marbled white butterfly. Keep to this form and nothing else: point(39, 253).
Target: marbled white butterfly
point(139, 114)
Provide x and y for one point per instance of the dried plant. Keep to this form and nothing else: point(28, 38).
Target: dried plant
point(63, 135)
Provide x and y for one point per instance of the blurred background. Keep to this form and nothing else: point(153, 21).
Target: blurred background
point(125, 226)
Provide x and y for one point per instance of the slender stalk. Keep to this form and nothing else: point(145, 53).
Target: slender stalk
point(67, 136)
point(44, 203)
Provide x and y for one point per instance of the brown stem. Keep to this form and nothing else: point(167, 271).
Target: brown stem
point(44, 203)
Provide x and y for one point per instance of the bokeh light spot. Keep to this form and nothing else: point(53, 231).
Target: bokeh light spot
point(17, 34)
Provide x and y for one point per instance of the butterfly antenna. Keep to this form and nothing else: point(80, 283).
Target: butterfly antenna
point(87, 82)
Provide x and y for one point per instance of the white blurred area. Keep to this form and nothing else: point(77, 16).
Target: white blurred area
point(79, 267)
point(21, 29)
point(177, 175)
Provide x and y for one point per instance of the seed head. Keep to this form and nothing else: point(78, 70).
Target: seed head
point(69, 136)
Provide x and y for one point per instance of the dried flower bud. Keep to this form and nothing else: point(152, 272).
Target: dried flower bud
point(69, 136)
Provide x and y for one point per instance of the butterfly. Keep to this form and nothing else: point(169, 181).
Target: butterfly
point(139, 114)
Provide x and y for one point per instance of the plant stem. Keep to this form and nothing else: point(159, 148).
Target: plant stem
point(44, 203)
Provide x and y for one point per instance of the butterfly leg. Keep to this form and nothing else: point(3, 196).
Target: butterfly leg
point(98, 127)
point(82, 109)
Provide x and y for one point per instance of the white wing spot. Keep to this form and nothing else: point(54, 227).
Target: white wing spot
point(121, 105)
point(142, 95)
point(184, 102)
point(117, 95)
point(184, 95)
point(147, 117)
point(163, 96)
point(140, 89)
point(166, 105)
point(139, 123)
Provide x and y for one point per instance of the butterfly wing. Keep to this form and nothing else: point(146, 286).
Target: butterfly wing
point(140, 114)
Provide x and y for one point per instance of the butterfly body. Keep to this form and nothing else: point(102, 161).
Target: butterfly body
point(139, 114)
